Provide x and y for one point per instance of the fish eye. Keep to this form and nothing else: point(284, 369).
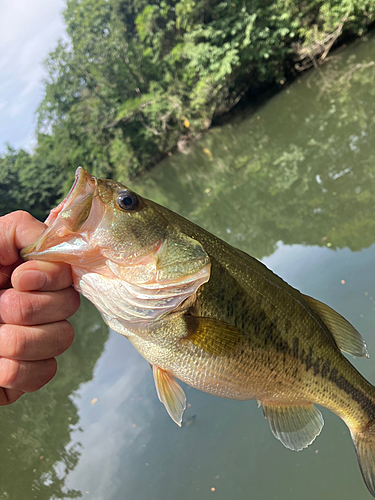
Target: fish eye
point(127, 200)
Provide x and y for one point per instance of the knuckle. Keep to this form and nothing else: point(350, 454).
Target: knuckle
point(13, 342)
point(6, 222)
point(9, 373)
point(26, 376)
point(47, 370)
point(9, 222)
point(18, 348)
point(65, 337)
point(17, 215)
point(10, 305)
point(72, 301)
point(16, 307)
point(9, 396)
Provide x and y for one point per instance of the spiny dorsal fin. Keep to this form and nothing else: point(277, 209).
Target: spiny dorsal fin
point(347, 338)
point(170, 394)
point(295, 426)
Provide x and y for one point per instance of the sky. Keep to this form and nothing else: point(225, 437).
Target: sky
point(29, 30)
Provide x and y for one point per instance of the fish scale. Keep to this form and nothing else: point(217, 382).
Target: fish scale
point(305, 353)
point(208, 314)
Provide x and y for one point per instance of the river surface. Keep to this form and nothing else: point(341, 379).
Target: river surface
point(294, 186)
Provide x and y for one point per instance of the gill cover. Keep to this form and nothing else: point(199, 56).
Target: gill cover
point(138, 294)
point(125, 256)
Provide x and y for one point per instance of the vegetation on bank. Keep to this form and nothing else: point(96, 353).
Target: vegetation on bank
point(140, 77)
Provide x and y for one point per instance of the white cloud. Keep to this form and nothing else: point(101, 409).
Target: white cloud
point(29, 30)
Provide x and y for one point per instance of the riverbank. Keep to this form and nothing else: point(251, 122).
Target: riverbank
point(138, 82)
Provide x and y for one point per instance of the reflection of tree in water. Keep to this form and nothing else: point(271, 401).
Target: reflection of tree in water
point(35, 456)
point(301, 171)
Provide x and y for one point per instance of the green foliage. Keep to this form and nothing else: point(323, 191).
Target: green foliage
point(33, 183)
point(139, 77)
point(301, 170)
point(9, 186)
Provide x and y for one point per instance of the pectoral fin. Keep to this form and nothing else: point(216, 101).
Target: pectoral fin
point(213, 336)
point(295, 426)
point(170, 394)
point(346, 336)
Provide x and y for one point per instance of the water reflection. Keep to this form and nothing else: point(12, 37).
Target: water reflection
point(301, 170)
point(291, 176)
point(292, 182)
point(36, 453)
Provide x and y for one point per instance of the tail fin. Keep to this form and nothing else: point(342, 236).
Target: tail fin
point(364, 443)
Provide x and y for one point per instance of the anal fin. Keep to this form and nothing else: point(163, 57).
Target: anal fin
point(295, 426)
point(169, 393)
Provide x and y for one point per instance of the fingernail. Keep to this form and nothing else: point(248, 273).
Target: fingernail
point(30, 280)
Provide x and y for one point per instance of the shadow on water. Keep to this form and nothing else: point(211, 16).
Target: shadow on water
point(35, 432)
point(299, 171)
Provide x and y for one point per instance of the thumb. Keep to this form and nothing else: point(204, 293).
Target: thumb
point(17, 230)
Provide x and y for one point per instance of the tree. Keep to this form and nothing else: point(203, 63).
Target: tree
point(139, 79)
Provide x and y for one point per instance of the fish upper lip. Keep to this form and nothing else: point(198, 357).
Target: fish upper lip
point(82, 178)
point(84, 184)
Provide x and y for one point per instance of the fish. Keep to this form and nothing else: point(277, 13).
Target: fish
point(207, 314)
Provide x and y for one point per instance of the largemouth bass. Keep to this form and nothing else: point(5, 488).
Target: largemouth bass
point(203, 312)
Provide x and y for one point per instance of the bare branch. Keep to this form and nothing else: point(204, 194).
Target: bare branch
point(318, 50)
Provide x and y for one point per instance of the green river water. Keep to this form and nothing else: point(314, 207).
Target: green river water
point(293, 184)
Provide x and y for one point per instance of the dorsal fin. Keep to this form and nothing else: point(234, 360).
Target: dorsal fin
point(347, 338)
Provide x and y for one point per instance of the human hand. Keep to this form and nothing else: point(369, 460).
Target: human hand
point(36, 298)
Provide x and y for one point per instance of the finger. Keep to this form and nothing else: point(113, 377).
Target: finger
point(38, 275)
point(9, 396)
point(17, 230)
point(37, 308)
point(5, 274)
point(26, 376)
point(33, 343)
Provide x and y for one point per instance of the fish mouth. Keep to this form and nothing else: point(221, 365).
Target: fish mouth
point(66, 219)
